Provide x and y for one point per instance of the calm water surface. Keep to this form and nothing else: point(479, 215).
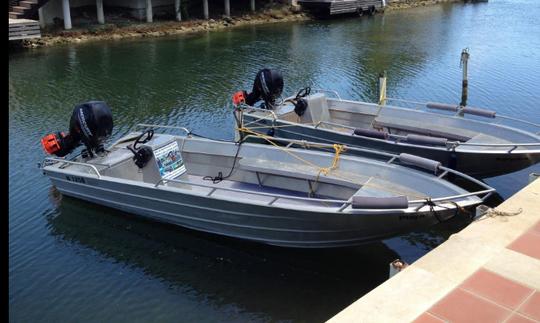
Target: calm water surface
point(75, 261)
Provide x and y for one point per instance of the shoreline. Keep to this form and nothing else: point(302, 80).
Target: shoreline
point(136, 30)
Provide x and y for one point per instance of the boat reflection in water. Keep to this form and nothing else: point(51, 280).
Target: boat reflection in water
point(223, 272)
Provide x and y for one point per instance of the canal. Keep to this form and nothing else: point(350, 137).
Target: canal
point(75, 261)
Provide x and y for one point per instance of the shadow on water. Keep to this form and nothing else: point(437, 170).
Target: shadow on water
point(225, 271)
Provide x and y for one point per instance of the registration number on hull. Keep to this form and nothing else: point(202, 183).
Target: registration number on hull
point(75, 179)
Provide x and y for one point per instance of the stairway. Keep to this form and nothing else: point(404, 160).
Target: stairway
point(24, 9)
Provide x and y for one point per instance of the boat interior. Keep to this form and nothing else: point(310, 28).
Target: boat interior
point(264, 173)
point(403, 125)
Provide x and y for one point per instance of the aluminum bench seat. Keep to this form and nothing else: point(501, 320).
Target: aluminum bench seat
point(263, 166)
point(421, 128)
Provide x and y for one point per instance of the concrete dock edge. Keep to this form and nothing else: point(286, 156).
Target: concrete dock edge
point(501, 245)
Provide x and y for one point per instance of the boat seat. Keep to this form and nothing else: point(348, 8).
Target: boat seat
point(381, 188)
point(487, 139)
point(112, 159)
point(420, 127)
point(264, 166)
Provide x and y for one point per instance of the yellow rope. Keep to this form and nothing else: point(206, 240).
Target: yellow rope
point(338, 149)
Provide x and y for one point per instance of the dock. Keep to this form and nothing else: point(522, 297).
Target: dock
point(488, 272)
point(23, 29)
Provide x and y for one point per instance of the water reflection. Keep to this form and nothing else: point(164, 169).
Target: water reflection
point(225, 271)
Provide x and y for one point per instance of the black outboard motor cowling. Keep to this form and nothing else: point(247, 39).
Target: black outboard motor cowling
point(91, 123)
point(268, 86)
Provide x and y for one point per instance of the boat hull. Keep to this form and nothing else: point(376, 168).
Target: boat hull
point(284, 227)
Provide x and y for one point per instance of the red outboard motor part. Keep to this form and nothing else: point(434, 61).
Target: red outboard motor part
point(268, 86)
point(91, 123)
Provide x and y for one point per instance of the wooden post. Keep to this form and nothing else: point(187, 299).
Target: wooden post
point(205, 9)
point(149, 13)
point(100, 14)
point(177, 10)
point(67, 14)
point(227, 8)
point(382, 88)
point(252, 2)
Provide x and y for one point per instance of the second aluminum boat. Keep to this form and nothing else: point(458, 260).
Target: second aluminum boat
point(483, 145)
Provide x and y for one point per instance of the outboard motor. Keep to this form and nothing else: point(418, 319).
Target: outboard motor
point(268, 86)
point(91, 123)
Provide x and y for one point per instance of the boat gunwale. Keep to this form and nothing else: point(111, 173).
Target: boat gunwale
point(298, 208)
point(344, 209)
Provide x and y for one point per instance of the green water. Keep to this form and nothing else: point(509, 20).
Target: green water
point(75, 261)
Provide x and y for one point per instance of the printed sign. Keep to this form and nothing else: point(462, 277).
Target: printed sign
point(169, 161)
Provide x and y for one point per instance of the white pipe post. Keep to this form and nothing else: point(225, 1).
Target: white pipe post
point(205, 9)
point(149, 14)
point(67, 14)
point(177, 10)
point(100, 14)
point(252, 2)
point(41, 18)
point(227, 8)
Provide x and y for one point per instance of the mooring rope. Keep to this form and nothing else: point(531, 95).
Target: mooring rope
point(432, 205)
point(494, 213)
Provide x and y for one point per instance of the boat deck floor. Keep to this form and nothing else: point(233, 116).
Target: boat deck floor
point(251, 191)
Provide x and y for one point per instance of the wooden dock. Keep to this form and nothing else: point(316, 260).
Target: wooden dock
point(23, 29)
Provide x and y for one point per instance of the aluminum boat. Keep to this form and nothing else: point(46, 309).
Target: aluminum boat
point(286, 195)
point(474, 141)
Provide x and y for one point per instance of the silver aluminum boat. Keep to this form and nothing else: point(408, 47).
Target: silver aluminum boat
point(474, 141)
point(286, 195)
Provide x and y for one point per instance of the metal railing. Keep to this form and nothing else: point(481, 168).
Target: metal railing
point(60, 160)
point(145, 125)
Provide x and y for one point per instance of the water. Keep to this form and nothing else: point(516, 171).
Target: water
point(74, 261)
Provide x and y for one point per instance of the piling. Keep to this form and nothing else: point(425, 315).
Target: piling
point(100, 14)
point(177, 10)
point(227, 8)
point(205, 9)
point(67, 14)
point(149, 14)
point(464, 84)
